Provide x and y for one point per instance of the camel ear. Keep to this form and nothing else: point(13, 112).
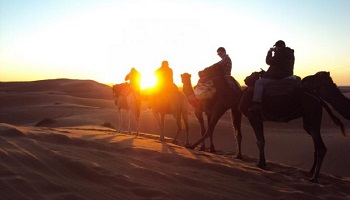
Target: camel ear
point(190, 75)
point(329, 73)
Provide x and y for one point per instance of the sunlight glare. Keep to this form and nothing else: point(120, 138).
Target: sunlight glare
point(148, 80)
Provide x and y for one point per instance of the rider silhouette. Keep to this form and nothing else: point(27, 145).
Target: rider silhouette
point(281, 67)
point(165, 86)
point(135, 80)
point(221, 68)
point(164, 76)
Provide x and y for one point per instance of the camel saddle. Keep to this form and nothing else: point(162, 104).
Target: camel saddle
point(282, 87)
point(204, 90)
point(281, 99)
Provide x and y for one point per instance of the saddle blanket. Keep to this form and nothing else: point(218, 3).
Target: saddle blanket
point(282, 87)
point(204, 90)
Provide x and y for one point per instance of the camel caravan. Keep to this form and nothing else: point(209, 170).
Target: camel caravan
point(273, 95)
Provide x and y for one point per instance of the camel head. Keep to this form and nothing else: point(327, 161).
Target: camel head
point(320, 83)
point(186, 78)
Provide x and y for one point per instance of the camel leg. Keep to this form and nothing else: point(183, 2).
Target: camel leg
point(312, 170)
point(185, 121)
point(120, 121)
point(258, 128)
point(129, 122)
point(209, 116)
point(212, 147)
point(236, 117)
point(162, 122)
point(199, 116)
point(137, 125)
point(178, 129)
point(137, 119)
point(320, 151)
point(219, 111)
point(138, 113)
point(160, 125)
point(312, 125)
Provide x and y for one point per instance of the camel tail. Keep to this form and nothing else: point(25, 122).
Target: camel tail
point(335, 119)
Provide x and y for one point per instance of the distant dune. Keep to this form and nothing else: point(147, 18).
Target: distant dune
point(57, 143)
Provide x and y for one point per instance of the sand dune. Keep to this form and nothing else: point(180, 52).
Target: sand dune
point(97, 163)
point(55, 145)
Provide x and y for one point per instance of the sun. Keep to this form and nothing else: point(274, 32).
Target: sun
point(148, 80)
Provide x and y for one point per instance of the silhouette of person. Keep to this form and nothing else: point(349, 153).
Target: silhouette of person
point(135, 80)
point(281, 60)
point(164, 76)
point(221, 68)
point(165, 86)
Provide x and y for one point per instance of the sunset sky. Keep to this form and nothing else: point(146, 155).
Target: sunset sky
point(102, 39)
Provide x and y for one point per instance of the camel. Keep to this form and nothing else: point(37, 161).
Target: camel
point(127, 99)
point(301, 103)
point(174, 104)
point(225, 98)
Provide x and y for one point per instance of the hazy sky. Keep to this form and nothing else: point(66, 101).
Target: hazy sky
point(102, 39)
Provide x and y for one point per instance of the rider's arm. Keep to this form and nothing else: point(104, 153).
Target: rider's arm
point(127, 77)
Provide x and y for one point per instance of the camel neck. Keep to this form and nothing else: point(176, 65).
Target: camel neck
point(187, 89)
point(340, 103)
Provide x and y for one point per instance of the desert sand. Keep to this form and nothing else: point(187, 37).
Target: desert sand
point(58, 142)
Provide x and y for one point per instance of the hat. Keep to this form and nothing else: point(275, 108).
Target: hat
point(280, 43)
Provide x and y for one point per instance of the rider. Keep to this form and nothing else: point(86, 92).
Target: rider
point(281, 67)
point(223, 67)
point(135, 80)
point(164, 76)
point(165, 83)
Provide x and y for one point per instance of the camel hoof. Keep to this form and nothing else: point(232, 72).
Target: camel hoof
point(175, 142)
point(239, 157)
point(261, 165)
point(313, 180)
point(202, 148)
point(161, 139)
point(212, 150)
point(191, 147)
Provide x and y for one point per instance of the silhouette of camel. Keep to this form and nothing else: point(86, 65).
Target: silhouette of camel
point(127, 99)
point(303, 103)
point(175, 104)
point(225, 98)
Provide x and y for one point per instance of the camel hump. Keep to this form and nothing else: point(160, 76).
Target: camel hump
point(233, 83)
point(165, 99)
